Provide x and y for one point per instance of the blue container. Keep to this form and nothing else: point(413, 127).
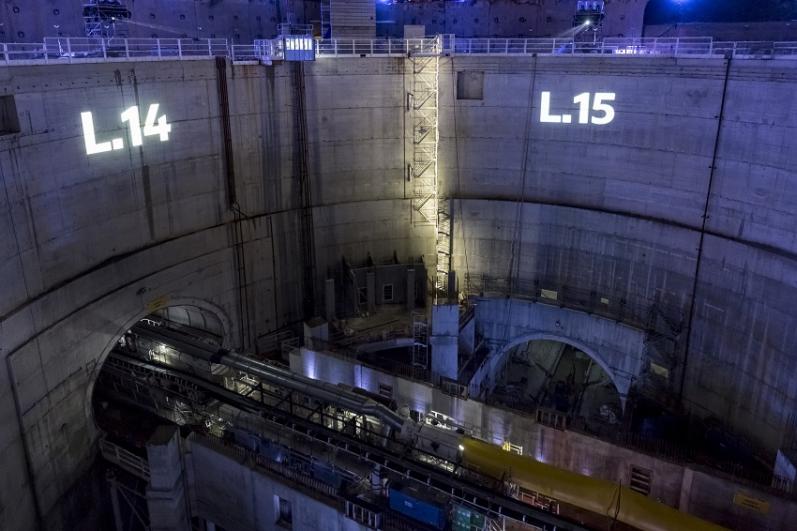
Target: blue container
point(406, 501)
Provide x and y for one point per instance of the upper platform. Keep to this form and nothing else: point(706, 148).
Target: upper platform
point(60, 50)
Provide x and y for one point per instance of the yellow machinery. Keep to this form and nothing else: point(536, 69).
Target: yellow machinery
point(598, 496)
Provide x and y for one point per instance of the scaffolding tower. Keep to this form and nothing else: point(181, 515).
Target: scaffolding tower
point(423, 172)
point(105, 18)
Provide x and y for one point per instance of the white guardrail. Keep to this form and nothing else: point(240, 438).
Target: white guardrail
point(81, 49)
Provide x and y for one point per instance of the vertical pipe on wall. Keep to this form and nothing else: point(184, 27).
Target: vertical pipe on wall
point(232, 201)
point(307, 234)
point(713, 169)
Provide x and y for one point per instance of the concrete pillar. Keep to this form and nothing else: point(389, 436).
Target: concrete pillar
point(329, 299)
point(410, 289)
point(370, 286)
point(444, 341)
point(316, 333)
point(168, 510)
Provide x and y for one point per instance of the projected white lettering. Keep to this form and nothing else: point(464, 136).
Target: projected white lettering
point(603, 112)
point(153, 126)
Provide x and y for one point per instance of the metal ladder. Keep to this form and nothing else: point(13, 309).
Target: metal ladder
point(420, 343)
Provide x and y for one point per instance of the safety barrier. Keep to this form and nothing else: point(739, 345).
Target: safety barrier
point(377, 47)
point(59, 50)
point(125, 459)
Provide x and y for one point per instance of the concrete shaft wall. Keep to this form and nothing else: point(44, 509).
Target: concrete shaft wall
point(91, 243)
point(618, 209)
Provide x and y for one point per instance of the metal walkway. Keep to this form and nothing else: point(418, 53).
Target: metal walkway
point(66, 50)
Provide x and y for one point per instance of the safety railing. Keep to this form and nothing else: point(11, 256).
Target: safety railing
point(639, 314)
point(82, 49)
point(663, 46)
point(375, 47)
point(125, 459)
point(73, 49)
point(609, 46)
point(756, 49)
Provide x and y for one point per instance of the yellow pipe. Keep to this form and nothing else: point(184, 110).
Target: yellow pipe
point(592, 494)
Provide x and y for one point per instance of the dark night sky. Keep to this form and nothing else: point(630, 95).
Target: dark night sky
point(671, 11)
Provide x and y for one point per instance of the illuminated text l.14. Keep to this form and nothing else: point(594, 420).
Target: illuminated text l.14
point(154, 125)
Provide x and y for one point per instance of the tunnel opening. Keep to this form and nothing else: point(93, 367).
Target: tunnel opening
point(560, 383)
point(130, 405)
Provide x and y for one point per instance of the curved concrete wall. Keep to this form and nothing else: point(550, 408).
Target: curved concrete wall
point(91, 243)
point(618, 209)
point(616, 348)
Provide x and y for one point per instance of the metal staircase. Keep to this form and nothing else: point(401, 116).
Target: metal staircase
point(443, 245)
point(423, 173)
point(423, 103)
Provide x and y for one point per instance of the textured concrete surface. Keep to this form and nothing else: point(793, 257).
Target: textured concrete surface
point(618, 210)
point(241, 21)
point(617, 349)
point(90, 244)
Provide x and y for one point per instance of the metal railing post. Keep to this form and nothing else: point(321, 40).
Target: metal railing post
point(210, 50)
point(127, 49)
point(5, 53)
point(677, 43)
point(69, 48)
point(158, 42)
point(506, 47)
point(179, 48)
point(388, 45)
point(553, 46)
point(525, 46)
point(104, 49)
point(372, 47)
